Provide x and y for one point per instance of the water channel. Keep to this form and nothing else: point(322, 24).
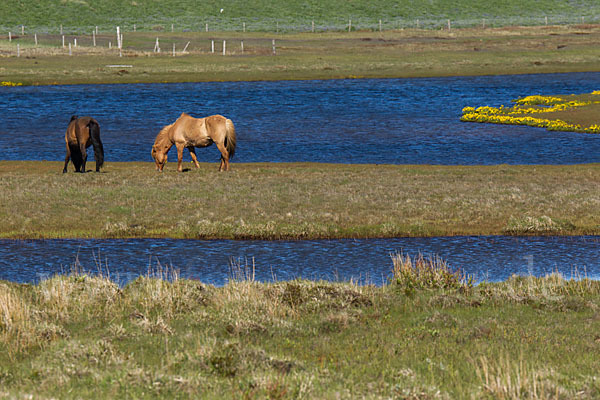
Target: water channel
point(416, 121)
point(488, 258)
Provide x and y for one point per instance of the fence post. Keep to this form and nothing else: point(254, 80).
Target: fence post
point(22, 30)
point(349, 25)
point(18, 50)
point(483, 24)
point(35, 39)
point(94, 38)
point(242, 46)
point(173, 49)
point(61, 31)
point(244, 26)
point(380, 26)
point(206, 27)
point(9, 37)
point(63, 41)
point(546, 19)
point(313, 26)
point(134, 28)
point(96, 29)
point(172, 29)
point(212, 46)
point(185, 48)
point(449, 27)
point(75, 42)
point(70, 53)
point(224, 46)
point(274, 49)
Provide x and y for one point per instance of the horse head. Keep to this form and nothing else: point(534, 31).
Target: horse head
point(159, 156)
point(161, 147)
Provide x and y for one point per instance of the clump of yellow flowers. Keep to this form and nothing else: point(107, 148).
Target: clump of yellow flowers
point(8, 83)
point(517, 115)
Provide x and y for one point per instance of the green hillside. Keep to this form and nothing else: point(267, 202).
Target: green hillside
point(288, 15)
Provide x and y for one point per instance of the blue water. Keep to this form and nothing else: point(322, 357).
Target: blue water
point(398, 121)
point(490, 258)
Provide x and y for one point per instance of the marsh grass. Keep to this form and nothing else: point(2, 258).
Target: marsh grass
point(297, 201)
point(163, 336)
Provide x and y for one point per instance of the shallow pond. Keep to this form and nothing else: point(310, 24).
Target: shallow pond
point(489, 258)
point(397, 121)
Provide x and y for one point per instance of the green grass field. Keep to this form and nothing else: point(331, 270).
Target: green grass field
point(264, 15)
point(428, 334)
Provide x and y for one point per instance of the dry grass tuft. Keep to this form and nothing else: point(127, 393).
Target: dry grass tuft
point(516, 380)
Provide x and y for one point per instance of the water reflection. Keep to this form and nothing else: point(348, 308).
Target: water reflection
point(486, 257)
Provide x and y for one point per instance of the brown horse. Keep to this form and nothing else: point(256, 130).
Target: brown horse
point(82, 133)
point(189, 132)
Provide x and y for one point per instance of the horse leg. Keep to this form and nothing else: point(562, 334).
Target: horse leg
point(193, 154)
point(83, 156)
point(67, 157)
point(180, 148)
point(224, 157)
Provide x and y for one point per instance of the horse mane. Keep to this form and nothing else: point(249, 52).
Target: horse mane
point(163, 136)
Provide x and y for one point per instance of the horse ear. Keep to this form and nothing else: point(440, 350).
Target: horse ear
point(73, 117)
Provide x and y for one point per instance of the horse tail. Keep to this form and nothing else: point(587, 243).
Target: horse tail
point(230, 137)
point(97, 143)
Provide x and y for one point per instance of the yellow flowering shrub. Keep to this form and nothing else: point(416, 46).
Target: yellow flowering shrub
point(8, 83)
point(518, 115)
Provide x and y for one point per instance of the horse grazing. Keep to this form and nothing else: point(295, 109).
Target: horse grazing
point(189, 132)
point(82, 133)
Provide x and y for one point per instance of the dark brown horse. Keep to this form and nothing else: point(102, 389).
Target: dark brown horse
point(82, 133)
point(189, 132)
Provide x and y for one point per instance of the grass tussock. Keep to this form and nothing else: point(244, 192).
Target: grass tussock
point(440, 336)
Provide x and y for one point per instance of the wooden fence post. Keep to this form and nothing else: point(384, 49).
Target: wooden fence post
point(70, 53)
point(313, 26)
point(75, 42)
point(173, 49)
point(274, 49)
point(18, 50)
point(35, 39)
point(242, 46)
point(212, 46)
point(185, 48)
point(206, 27)
point(380, 28)
point(244, 26)
point(9, 37)
point(349, 25)
point(224, 46)
point(22, 30)
point(94, 38)
point(63, 41)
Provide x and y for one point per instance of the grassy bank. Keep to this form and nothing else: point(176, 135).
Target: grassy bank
point(577, 113)
point(428, 334)
point(297, 200)
point(399, 53)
